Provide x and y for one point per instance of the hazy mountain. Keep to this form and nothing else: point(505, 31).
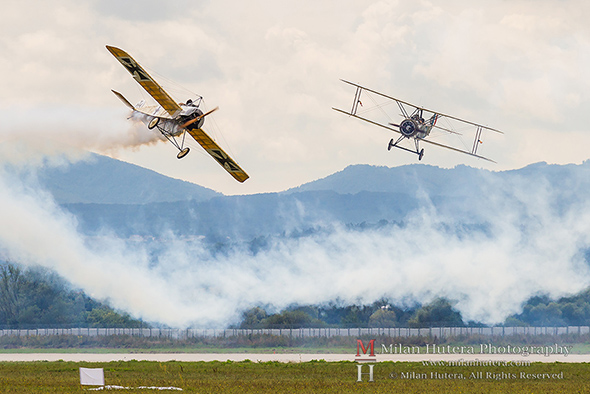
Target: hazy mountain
point(103, 180)
point(407, 179)
point(109, 194)
point(459, 181)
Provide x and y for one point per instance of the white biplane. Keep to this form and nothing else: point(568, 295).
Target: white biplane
point(174, 119)
point(413, 126)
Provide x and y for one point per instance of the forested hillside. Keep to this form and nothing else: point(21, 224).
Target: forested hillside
point(37, 298)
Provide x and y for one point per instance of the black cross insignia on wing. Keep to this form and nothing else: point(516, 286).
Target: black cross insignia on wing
point(224, 160)
point(134, 69)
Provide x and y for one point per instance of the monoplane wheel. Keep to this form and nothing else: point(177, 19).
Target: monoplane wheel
point(421, 154)
point(390, 144)
point(153, 123)
point(183, 153)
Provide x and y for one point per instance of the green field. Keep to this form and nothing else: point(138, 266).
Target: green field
point(311, 377)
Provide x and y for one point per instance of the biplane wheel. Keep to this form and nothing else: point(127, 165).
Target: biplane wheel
point(421, 154)
point(153, 123)
point(391, 143)
point(183, 153)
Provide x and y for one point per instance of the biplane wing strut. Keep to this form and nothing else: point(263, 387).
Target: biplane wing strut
point(417, 139)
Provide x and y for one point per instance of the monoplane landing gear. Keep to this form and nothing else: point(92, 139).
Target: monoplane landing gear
point(420, 154)
point(182, 153)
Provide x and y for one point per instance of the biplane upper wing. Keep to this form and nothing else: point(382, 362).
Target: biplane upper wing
point(440, 115)
point(218, 154)
point(147, 82)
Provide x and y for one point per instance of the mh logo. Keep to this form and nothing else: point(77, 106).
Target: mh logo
point(365, 358)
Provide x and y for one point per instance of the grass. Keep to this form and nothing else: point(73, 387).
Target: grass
point(310, 377)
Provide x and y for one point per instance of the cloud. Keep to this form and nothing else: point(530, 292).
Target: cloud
point(274, 69)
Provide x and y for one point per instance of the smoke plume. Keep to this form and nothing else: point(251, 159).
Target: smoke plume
point(522, 243)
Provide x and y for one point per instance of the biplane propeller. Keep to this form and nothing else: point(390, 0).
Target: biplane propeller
point(174, 119)
point(414, 126)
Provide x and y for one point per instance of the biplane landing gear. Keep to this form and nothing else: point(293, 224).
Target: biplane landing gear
point(394, 144)
point(153, 123)
point(182, 153)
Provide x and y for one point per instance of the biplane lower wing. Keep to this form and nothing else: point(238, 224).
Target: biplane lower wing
point(457, 150)
point(146, 81)
point(421, 139)
point(218, 154)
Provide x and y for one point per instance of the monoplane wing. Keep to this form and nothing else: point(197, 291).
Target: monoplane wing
point(147, 82)
point(218, 154)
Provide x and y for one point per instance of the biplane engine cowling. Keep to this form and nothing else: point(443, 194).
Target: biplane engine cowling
point(408, 128)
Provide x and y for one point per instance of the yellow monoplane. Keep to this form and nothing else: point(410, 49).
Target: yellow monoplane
point(174, 119)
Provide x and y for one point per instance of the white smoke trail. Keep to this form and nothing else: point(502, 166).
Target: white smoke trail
point(526, 246)
point(35, 231)
point(490, 272)
point(41, 133)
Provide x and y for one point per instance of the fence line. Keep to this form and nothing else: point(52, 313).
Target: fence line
point(301, 332)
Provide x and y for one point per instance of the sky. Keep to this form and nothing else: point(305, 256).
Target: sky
point(274, 70)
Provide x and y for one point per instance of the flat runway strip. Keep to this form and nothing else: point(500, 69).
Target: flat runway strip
point(281, 357)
